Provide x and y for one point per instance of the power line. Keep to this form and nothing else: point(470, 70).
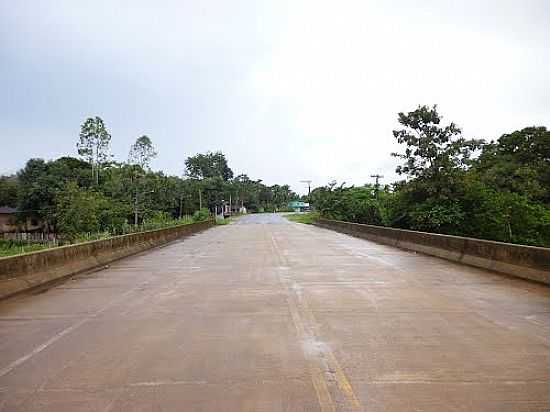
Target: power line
point(376, 184)
point(308, 190)
point(308, 185)
point(377, 177)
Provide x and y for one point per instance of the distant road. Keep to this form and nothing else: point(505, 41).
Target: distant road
point(267, 315)
point(262, 218)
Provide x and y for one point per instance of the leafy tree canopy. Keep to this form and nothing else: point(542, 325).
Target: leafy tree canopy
point(80, 210)
point(519, 162)
point(208, 165)
point(94, 144)
point(8, 191)
point(431, 149)
point(142, 152)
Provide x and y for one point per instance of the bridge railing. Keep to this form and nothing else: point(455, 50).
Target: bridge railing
point(527, 262)
point(30, 270)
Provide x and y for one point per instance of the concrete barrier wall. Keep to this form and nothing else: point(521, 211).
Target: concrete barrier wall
point(22, 272)
point(527, 262)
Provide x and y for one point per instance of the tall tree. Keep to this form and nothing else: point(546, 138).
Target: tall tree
point(80, 210)
point(208, 165)
point(248, 191)
point(431, 149)
point(8, 191)
point(435, 155)
point(77, 211)
point(142, 152)
point(436, 158)
point(94, 144)
point(518, 162)
point(40, 181)
point(36, 192)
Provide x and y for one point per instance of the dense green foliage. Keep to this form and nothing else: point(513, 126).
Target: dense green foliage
point(79, 210)
point(208, 166)
point(201, 215)
point(14, 247)
point(94, 195)
point(8, 191)
point(498, 190)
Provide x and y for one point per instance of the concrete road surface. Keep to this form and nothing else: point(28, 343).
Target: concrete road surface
point(267, 315)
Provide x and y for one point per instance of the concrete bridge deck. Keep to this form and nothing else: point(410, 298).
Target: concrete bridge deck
point(266, 315)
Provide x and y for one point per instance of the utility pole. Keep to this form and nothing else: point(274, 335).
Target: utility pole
point(376, 184)
point(200, 199)
point(308, 191)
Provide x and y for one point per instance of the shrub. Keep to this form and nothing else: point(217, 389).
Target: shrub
point(201, 215)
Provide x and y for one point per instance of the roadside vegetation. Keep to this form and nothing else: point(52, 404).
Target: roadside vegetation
point(222, 222)
point(15, 247)
point(10, 247)
point(304, 217)
point(92, 195)
point(498, 190)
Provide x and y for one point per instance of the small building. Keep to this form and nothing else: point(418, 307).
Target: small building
point(298, 206)
point(236, 209)
point(10, 224)
point(232, 209)
point(8, 219)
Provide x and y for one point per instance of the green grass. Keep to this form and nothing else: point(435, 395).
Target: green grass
point(228, 219)
point(11, 248)
point(307, 218)
point(16, 247)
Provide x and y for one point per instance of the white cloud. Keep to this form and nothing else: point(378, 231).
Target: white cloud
point(288, 89)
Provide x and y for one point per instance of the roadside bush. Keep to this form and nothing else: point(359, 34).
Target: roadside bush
point(505, 217)
point(201, 215)
point(437, 217)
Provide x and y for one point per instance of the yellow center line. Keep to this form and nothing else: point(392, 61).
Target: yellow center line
point(304, 322)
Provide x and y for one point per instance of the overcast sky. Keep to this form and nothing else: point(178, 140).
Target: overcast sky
point(287, 90)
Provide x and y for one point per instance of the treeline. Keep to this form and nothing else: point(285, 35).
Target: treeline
point(94, 193)
point(498, 190)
